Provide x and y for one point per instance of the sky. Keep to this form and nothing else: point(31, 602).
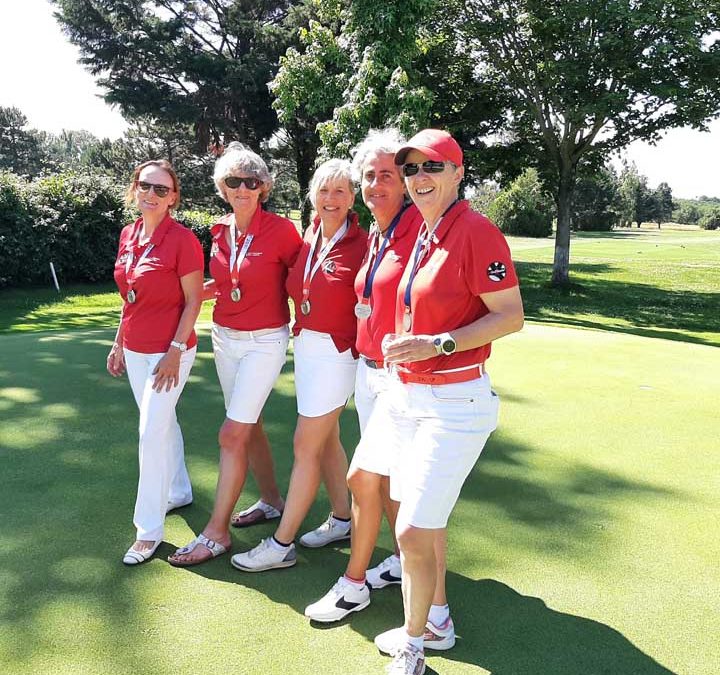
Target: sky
point(55, 92)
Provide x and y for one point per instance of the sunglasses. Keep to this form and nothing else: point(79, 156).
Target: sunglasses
point(160, 190)
point(430, 166)
point(250, 182)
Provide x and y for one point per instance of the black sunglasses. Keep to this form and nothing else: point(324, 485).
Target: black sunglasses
point(430, 166)
point(160, 190)
point(250, 182)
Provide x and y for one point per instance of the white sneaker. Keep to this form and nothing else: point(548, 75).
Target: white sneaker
point(439, 638)
point(408, 660)
point(342, 599)
point(264, 557)
point(386, 573)
point(331, 530)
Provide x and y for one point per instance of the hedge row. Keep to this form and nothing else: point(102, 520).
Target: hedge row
point(72, 220)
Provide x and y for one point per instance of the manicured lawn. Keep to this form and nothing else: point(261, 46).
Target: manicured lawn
point(583, 544)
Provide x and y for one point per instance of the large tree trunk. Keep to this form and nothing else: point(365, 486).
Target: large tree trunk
point(561, 263)
point(306, 146)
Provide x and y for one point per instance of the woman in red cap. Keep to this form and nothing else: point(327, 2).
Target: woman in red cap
point(159, 271)
point(459, 292)
point(321, 287)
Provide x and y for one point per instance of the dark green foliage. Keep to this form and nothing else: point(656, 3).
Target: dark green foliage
point(524, 209)
point(711, 220)
point(73, 220)
point(595, 207)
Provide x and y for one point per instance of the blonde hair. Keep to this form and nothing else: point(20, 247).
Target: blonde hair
point(238, 157)
point(332, 169)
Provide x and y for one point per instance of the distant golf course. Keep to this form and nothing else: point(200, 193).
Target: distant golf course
point(585, 541)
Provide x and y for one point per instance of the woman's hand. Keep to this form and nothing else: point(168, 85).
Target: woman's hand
point(407, 348)
point(167, 371)
point(116, 360)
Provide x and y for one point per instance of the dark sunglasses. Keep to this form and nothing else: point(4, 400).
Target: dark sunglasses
point(250, 182)
point(430, 166)
point(160, 190)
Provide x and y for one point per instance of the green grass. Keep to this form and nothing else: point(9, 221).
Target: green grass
point(583, 542)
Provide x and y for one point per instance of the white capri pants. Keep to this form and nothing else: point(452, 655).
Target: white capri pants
point(436, 433)
point(324, 377)
point(371, 385)
point(163, 475)
point(248, 364)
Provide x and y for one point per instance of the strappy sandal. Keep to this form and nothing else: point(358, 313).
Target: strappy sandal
point(214, 548)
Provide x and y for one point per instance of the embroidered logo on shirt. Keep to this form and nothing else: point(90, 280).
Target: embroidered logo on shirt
point(496, 271)
point(329, 266)
point(214, 249)
point(253, 253)
point(123, 258)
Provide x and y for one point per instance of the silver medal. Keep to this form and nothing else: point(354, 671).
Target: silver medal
point(131, 296)
point(305, 307)
point(363, 310)
point(407, 321)
point(235, 295)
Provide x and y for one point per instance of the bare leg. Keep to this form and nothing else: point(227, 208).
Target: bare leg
point(310, 441)
point(439, 597)
point(334, 468)
point(234, 439)
point(367, 508)
point(262, 467)
point(417, 552)
point(391, 508)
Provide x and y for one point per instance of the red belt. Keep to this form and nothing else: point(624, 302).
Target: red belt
point(441, 378)
point(370, 363)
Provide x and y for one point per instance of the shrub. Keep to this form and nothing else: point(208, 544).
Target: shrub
point(711, 220)
point(200, 223)
point(524, 208)
point(16, 242)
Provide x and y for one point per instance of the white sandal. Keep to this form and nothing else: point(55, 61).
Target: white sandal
point(214, 547)
point(135, 557)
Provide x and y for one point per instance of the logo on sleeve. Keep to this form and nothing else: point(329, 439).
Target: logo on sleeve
point(496, 271)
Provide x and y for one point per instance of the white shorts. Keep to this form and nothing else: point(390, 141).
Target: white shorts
point(371, 385)
point(248, 363)
point(324, 377)
point(438, 433)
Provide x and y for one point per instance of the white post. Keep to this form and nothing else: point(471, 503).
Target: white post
point(54, 276)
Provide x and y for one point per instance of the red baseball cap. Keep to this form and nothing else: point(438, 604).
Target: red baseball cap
point(436, 144)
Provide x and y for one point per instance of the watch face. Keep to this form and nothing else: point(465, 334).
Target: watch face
point(448, 346)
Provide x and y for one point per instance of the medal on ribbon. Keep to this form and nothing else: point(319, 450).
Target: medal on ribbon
point(236, 259)
point(130, 269)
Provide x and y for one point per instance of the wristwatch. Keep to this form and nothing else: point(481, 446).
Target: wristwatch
point(182, 346)
point(445, 344)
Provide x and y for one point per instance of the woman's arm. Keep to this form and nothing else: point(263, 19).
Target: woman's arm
point(116, 358)
point(505, 316)
point(167, 371)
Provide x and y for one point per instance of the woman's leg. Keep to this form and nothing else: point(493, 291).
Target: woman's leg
point(234, 439)
point(309, 443)
point(262, 467)
point(334, 468)
point(367, 509)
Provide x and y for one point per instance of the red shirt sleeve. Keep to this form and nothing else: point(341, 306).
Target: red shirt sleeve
point(190, 255)
point(487, 261)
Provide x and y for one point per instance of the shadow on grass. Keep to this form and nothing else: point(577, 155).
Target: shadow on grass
point(644, 309)
point(71, 470)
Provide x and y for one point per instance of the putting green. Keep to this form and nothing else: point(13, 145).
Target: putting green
point(583, 542)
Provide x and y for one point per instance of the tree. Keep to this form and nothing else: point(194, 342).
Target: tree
point(687, 213)
point(663, 204)
point(596, 203)
point(523, 209)
point(19, 147)
point(586, 77)
point(183, 64)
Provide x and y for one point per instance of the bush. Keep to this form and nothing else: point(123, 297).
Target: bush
point(73, 220)
point(523, 209)
point(711, 220)
point(595, 202)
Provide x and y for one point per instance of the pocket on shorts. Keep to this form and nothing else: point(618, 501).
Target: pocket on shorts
point(462, 392)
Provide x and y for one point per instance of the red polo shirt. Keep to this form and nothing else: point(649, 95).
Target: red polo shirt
point(372, 330)
point(332, 296)
point(149, 324)
point(262, 274)
point(467, 257)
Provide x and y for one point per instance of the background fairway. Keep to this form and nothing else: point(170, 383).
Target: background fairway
point(584, 541)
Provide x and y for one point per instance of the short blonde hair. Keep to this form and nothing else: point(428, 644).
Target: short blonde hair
point(160, 164)
point(238, 157)
point(332, 169)
point(377, 142)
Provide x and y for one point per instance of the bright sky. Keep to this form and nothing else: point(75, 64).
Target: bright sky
point(41, 76)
